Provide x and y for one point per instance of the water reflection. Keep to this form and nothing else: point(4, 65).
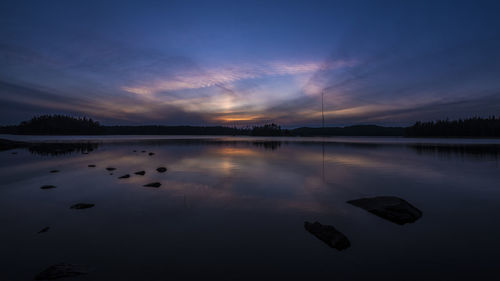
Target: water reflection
point(271, 145)
point(470, 151)
point(54, 149)
point(238, 207)
point(491, 151)
point(49, 148)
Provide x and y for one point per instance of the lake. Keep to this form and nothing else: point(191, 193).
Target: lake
point(233, 208)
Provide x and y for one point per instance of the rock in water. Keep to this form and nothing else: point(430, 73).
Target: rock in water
point(125, 176)
point(390, 208)
point(161, 169)
point(80, 206)
point(328, 234)
point(47, 187)
point(110, 168)
point(153, 184)
point(91, 166)
point(54, 171)
point(61, 270)
point(141, 173)
point(45, 229)
point(151, 154)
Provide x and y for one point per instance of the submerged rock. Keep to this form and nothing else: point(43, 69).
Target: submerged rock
point(110, 168)
point(151, 153)
point(91, 166)
point(328, 234)
point(140, 173)
point(153, 184)
point(80, 206)
point(135, 151)
point(54, 171)
point(47, 186)
point(45, 229)
point(143, 151)
point(62, 270)
point(125, 176)
point(161, 169)
point(390, 208)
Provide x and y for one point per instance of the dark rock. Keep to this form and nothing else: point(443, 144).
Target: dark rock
point(141, 173)
point(125, 176)
point(390, 208)
point(54, 171)
point(151, 154)
point(110, 174)
point(85, 153)
point(91, 166)
point(80, 206)
point(135, 150)
point(110, 168)
point(45, 229)
point(161, 169)
point(328, 234)
point(143, 151)
point(153, 184)
point(47, 187)
point(62, 270)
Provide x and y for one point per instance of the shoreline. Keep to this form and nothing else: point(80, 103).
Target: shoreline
point(26, 140)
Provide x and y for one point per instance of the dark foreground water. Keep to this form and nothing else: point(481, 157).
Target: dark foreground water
point(234, 209)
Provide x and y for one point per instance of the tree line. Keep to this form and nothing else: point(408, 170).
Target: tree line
point(55, 124)
point(68, 125)
point(471, 127)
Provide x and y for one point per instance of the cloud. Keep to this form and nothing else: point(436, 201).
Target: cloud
point(226, 75)
point(123, 110)
point(376, 80)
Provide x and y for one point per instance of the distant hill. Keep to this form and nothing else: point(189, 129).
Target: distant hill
point(359, 130)
point(67, 125)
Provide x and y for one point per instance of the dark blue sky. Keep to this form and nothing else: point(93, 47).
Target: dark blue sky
point(250, 62)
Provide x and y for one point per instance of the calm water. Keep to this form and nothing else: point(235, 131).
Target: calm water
point(234, 208)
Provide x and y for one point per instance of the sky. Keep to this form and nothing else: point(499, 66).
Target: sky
point(244, 63)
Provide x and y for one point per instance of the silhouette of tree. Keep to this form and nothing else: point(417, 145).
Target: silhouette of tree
point(58, 124)
point(67, 125)
point(472, 127)
point(269, 130)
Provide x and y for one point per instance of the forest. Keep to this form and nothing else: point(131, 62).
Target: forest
point(471, 127)
point(68, 125)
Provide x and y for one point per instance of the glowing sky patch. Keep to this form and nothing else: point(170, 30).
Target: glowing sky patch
point(224, 76)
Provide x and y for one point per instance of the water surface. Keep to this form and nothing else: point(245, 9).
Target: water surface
point(234, 208)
